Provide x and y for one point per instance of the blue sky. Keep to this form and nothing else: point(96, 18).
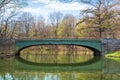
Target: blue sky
point(45, 7)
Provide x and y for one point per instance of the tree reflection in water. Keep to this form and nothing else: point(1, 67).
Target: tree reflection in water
point(24, 75)
point(48, 54)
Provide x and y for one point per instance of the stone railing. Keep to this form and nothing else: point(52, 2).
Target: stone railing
point(6, 42)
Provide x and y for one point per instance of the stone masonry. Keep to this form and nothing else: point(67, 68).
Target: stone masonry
point(110, 45)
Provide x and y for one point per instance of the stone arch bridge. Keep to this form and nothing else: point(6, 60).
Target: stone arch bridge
point(99, 47)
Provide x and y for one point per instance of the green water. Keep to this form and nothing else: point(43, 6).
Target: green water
point(53, 57)
point(79, 67)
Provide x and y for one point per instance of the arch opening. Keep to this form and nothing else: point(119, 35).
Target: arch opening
point(54, 55)
point(95, 51)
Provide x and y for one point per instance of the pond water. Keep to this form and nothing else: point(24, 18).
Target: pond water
point(60, 66)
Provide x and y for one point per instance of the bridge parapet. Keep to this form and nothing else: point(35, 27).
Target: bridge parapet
point(110, 45)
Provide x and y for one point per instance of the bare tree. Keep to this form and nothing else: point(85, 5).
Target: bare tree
point(40, 26)
point(27, 22)
point(8, 12)
point(3, 3)
point(55, 19)
point(5, 22)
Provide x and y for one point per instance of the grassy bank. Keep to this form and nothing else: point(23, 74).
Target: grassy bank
point(113, 55)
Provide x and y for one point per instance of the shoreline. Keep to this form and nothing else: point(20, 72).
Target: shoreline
point(6, 56)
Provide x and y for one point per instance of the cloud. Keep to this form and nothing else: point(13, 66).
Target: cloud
point(43, 1)
point(45, 7)
point(36, 11)
point(60, 5)
point(67, 6)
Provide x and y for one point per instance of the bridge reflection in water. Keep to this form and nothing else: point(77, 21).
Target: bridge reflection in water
point(97, 68)
point(90, 65)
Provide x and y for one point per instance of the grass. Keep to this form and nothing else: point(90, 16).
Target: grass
point(113, 55)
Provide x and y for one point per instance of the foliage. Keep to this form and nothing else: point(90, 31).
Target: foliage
point(101, 16)
point(79, 29)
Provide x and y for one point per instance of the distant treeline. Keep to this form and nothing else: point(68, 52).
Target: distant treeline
point(101, 21)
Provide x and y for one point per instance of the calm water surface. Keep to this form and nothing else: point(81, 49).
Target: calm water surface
point(59, 67)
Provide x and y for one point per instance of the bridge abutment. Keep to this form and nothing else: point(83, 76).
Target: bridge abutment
point(110, 45)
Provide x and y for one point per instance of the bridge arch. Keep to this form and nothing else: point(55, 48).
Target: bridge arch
point(94, 45)
point(95, 51)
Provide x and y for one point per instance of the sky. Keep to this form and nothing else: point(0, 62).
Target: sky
point(45, 7)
